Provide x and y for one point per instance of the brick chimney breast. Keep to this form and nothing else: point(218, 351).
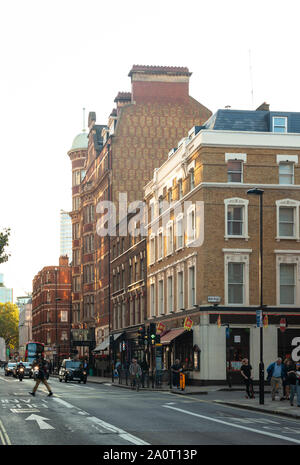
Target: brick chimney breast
point(263, 107)
point(92, 119)
point(123, 98)
point(163, 84)
point(63, 260)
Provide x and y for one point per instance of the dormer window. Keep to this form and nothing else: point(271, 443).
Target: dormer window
point(279, 124)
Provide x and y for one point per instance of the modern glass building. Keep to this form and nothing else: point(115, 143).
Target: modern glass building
point(65, 234)
point(6, 294)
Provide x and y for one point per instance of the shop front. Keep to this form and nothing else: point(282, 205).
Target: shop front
point(289, 344)
point(178, 344)
point(237, 348)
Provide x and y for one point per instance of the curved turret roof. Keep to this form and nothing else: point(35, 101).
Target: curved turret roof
point(80, 141)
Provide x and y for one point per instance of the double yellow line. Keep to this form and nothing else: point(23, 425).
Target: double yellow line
point(4, 436)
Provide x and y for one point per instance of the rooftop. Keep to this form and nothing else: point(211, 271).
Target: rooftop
point(171, 70)
point(80, 141)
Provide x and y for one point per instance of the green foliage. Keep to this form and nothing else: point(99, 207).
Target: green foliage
point(9, 324)
point(4, 243)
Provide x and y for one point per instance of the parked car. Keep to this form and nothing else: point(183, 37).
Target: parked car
point(9, 369)
point(72, 370)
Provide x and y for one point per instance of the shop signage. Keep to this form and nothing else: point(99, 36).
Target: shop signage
point(213, 299)
point(188, 323)
point(160, 327)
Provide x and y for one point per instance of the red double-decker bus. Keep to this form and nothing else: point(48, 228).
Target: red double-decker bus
point(34, 350)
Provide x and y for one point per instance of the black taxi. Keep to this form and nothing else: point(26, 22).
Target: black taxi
point(72, 370)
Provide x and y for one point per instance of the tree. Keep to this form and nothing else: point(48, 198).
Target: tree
point(4, 243)
point(9, 324)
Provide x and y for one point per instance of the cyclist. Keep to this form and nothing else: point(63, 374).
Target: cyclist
point(135, 373)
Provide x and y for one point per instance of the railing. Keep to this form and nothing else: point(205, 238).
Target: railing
point(157, 379)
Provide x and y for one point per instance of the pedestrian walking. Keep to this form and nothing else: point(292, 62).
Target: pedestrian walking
point(285, 383)
point(41, 376)
point(50, 367)
point(135, 373)
point(276, 373)
point(248, 380)
point(145, 370)
point(176, 370)
point(291, 380)
point(117, 369)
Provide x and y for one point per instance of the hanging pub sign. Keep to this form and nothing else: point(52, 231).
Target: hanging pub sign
point(282, 325)
point(160, 328)
point(188, 323)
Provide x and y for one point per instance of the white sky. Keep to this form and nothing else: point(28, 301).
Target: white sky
point(60, 56)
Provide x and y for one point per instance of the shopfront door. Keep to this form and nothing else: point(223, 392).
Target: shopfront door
point(237, 348)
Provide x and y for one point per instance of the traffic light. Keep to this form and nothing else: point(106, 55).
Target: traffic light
point(141, 336)
point(157, 339)
point(111, 340)
point(152, 332)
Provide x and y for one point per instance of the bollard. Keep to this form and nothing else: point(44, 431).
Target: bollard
point(182, 381)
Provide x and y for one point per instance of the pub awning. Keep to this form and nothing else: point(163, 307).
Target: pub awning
point(171, 335)
point(117, 335)
point(104, 345)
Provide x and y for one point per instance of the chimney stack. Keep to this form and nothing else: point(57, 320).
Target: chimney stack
point(159, 84)
point(263, 107)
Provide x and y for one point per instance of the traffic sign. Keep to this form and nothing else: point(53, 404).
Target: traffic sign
point(282, 325)
point(259, 319)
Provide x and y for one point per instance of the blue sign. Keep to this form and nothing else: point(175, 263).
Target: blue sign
point(259, 319)
point(227, 332)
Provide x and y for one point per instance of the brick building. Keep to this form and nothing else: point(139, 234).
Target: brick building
point(204, 246)
point(51, 304)
point(120, 158)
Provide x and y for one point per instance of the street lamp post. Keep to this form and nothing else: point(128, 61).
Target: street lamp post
point(260, 192)
point(57, 299)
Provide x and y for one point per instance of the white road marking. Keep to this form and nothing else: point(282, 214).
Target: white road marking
point(278, 436)
point(24, 410)
point(40, 421)
point(123, 434)
point(114, 429)
point(63, 402)
point(4, 434)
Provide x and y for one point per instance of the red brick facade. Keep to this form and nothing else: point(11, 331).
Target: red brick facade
point(141, 129)
point(51, 302)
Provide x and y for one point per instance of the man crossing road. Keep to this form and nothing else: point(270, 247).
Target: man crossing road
point(41, 376)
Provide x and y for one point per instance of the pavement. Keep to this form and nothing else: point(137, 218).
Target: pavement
point(234, 396)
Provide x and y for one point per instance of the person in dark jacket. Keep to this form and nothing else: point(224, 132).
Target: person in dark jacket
point(145, 370)
point(291, 380)
point(42, 376)
point(176, 369)
point(246, 374)
point(276, 374)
